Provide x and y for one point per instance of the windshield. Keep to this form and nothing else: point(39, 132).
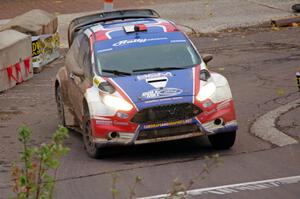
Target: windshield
point(174, 55)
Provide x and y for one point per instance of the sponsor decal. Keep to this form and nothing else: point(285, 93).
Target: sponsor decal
point(164, 99)
point(207, 104)
point(154, 75)
point(122, 115)
point(104, 50)
point(178, 41)
point(210, 112)
point(223, 105)
point(168, 124)
point(132, 41)
point(163, 92)
point(121, 123)
point(97, 80)
point(104, 122)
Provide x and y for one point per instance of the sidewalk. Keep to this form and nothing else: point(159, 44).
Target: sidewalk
point(204, 16)
point(12, 8)
point(214, 15)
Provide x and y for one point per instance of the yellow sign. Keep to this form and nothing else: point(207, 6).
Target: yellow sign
point(36, 48)
point(56, 39)
point(298, 79)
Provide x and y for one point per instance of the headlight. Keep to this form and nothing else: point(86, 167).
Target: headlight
point(206, 91)
point(117, 103)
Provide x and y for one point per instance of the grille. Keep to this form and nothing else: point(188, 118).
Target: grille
point(166, 113)
point(167, 132)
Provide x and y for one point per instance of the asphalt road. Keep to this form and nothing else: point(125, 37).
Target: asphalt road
point(260, 66)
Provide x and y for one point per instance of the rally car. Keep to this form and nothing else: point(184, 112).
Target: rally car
point(131, 77)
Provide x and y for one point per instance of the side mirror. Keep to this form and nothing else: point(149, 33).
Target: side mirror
point(207, 58)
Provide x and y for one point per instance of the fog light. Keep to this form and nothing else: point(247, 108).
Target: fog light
point(113, 135)
point(218, 121)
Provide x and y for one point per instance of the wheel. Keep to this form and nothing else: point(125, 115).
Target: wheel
point(90, 147)
point(60, 106)
point(296, 7)
point(222, 140)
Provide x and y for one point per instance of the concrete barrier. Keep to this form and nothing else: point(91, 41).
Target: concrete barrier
point(42, 26)
point(15, 58)
point(35, 22)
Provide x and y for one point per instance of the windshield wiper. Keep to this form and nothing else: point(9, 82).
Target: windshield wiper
point(116, 72)
point(159, 69)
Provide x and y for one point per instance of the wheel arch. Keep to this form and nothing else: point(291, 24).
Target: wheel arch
point(56, 85)
point(61, 81)
point(85, 106)
point(223, 90)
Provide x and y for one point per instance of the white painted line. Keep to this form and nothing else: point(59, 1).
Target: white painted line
point(265, 126)
point(234, 188)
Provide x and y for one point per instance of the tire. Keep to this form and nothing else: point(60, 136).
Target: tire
point(222, 140)
point(90, 147)
point(296, 7)
point(60, 106)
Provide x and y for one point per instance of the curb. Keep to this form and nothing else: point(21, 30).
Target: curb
point(268, 121)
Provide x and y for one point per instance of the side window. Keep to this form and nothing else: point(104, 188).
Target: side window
point(75, 47)
point(84, 58)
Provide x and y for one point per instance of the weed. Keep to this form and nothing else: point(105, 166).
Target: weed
point(35, 178)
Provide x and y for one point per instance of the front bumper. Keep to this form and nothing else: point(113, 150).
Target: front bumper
point(203, 130)
point(217, 119)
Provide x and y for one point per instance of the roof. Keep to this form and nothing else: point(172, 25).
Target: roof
point(112, 36)
point(87, 21)
point(113, 30)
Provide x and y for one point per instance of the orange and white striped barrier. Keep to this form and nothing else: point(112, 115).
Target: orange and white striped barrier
point(108, 5)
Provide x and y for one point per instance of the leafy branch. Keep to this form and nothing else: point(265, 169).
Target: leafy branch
point(179, 189)
point(33, 180)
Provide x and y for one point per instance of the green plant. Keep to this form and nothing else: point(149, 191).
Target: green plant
point(35, 178)
point(180, 190)
point(114, 190)
point(132, 189)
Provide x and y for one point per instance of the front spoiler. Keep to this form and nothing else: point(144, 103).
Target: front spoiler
point(205, 129)
point(210, 128)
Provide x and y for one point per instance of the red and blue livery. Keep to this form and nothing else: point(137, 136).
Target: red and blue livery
point(131, 77)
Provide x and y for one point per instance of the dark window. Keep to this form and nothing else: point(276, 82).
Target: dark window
point(166, 55)
point(75, 48)
point(84, 57)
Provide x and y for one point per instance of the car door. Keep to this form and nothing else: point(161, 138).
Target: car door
point(79, 84)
